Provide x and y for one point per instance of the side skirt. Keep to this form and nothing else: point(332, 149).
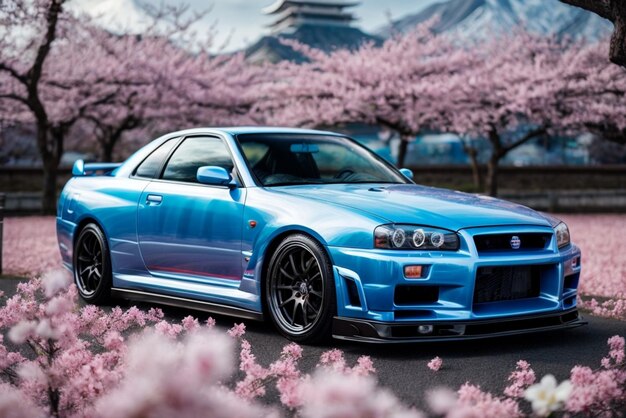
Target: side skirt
point(178, 302)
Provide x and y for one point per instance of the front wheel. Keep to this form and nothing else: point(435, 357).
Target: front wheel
point(92, 265)
point(300, 290)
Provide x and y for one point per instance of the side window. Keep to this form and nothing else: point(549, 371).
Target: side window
point(194, 153)
point(149, 167)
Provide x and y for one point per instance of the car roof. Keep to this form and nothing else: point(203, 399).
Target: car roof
point(239, 130)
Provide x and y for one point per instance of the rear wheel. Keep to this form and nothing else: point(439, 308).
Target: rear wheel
point(92, 265)
point(300, 290)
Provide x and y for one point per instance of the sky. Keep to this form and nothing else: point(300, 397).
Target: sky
point(239, 23)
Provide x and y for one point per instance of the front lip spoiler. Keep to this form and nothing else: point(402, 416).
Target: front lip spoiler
point(361, 330)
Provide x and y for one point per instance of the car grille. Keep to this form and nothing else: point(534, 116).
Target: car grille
point(495, 284)
point(502, 242)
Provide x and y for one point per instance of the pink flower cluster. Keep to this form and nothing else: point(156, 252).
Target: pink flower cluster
point(470, 401)
point(68, 361)
point(603, 390)
point(285, 374)
point(435, 364)
point(520, 379)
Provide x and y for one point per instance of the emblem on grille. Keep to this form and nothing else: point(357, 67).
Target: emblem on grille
point(515, 242)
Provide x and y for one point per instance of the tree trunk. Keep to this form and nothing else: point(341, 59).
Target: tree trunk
point(402, 148)
point(106, 150)
point(49, 197)
point(497, 153)
point(477, 175)
point(617, 53)
point(615, 11)
point(493, 167)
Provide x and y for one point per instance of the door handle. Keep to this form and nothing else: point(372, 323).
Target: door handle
point(154, 199)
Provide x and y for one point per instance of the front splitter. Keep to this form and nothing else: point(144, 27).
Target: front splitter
point(407, 332)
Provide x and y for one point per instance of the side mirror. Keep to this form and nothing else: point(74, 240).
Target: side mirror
point(216, 176)
point(78, 169)
point(407, 173)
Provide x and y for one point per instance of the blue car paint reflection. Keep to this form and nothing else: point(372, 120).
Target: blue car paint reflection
point(207, 243)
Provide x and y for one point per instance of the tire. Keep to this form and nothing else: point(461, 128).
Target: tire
point(300, 290)
point(92, 265)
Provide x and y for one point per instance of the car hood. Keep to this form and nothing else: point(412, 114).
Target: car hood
point(414, 204)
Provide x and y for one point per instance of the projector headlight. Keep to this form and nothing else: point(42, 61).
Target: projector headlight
point(562, 235)
point(412, 237)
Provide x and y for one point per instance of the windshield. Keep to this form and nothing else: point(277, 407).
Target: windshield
point(288, 159)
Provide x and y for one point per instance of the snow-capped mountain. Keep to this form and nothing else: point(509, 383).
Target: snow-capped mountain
point(121, 16)
point(472, 19)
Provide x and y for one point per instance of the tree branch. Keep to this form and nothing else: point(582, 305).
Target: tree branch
point(14, 73)
point(52, 18)
point(530, 135)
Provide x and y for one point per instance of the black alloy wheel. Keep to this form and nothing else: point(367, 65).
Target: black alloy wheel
point(300, 290)
point(92, 265)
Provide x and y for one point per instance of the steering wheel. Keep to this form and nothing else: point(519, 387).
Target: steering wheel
point(344, 173)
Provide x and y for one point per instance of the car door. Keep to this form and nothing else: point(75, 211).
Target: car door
point(187, 229)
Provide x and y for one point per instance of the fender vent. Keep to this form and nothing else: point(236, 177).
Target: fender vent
point(353, 293)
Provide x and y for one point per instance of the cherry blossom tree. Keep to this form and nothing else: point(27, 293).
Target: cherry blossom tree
point(28, 32)
point(398, 85)
point(168, 79)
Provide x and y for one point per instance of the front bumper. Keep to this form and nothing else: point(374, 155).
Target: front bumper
point(394, 332)
point(376, 302)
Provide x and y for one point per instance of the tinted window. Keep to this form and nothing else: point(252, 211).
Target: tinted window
point(285, 159)
point(150, 166)
point(194, 153)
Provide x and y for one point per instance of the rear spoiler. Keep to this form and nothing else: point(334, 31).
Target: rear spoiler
point(82, 169)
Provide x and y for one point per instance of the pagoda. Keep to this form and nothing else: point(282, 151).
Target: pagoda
point(289, 15)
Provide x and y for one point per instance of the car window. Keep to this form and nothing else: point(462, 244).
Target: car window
point(150, 166)
point(254, 151)
point(194, 153)
point(287, 159)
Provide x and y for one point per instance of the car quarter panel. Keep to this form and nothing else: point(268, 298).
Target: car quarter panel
point(112, 203)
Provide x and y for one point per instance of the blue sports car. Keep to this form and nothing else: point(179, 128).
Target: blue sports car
point(318, 234)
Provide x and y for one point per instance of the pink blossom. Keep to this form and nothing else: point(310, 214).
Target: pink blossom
point(46, 330)
point(364, 366)
point(55, 281)
point(329, 394)
point(31, 371)
point(441, 400)
point(210, 322)
point(14, 404)
point(22, 331)
point(520, 379)
point(113, 341)
point(190, 323)
point(333, 359)
point(474, 402)
point(59, 306)
point(238, 330)
point(435, 364)
point(170, 330)
point(292, 350)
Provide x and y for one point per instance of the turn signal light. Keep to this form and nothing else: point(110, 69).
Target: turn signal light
point(413, 272)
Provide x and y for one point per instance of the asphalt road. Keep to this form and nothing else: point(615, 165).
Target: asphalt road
point(403, 368)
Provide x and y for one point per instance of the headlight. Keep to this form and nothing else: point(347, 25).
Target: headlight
point(412, 237)
point(562, 235)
